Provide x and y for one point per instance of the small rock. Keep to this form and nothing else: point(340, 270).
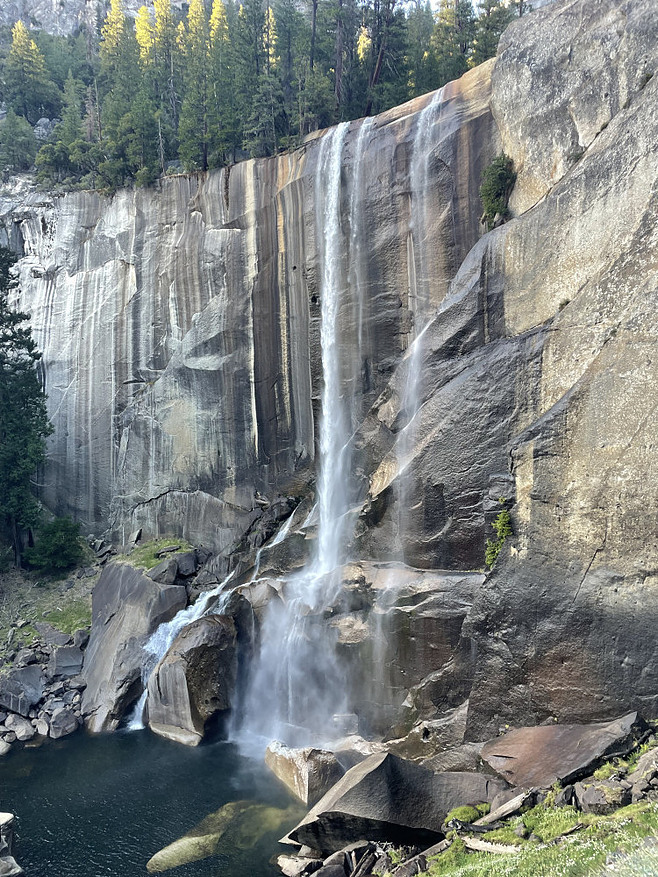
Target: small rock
point(42, 727)
point(4, 747)
point(9, 737)
point(135, 536)
point(51, 635)
point(78, 682)
point(21, 622)
point(25, 657)
point(165, 572)
point(601, 797)
point(63, 723)
point(21, 727)
point(81, 638)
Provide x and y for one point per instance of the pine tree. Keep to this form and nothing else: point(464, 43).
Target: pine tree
point(24, 424)
point(452, 39)
point(28, 88)
point(54, 159)
point(493, 19)
point(18, 146)
point(193, 128)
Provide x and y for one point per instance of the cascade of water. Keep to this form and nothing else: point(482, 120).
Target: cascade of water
point(159, 643)
point(420, 301)
point(297, 685)
point(283, 531)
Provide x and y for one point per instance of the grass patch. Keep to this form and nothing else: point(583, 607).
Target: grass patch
point(71, 617)
point(578, 855)
point(144, 556)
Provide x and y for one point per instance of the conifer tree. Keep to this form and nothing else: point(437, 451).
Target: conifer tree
point(492, 21)
point(27, 84)
point(24, 424)
point(193, 129)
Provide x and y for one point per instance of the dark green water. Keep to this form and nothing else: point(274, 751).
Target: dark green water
point(102, 806)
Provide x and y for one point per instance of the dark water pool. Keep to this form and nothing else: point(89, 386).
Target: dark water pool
point(102, 806)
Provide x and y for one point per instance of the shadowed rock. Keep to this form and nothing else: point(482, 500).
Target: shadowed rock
point(389, 799)
point(194, 682)
point(21, 689)
point(127, 606)
point(540, 756)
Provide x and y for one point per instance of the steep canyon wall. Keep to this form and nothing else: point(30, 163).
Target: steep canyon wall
point(180, 329)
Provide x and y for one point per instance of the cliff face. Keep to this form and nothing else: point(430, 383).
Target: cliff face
point(180, 325)
point(182, 357)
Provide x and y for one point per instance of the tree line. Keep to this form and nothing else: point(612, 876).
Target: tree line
point(138, 98)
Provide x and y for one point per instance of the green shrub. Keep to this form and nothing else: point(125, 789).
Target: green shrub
point(58, 548)
point(497, 184)
point(503, 528)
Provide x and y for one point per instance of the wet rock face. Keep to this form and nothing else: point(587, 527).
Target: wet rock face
point(127, 607)
point(193, 383)
point(195, 680)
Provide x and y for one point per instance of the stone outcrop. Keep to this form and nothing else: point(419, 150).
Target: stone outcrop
point(194, 682)
point(308, 773)
point(559, 753)
point(389, 798)
point(127, 607)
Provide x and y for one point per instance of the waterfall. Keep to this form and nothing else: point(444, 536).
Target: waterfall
point(420, 304)
point(159, 643)
point(297, 685)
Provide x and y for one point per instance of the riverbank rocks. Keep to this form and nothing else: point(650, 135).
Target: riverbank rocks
point(22, 689)
point(194, 682)
point(389, 798)
point(308, 773)
point(546, 754)
point(127, 606)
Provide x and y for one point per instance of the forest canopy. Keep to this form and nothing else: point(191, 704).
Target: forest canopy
point(137, 98)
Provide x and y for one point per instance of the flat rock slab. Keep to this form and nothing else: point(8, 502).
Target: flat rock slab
point(65, 661)
point(387, 798)
point(541, 756)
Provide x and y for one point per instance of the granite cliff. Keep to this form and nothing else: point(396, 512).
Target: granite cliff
point(181, 330)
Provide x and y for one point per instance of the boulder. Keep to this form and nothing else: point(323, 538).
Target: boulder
point(62, 723)
point(308, 773)
point(9, 867)
point(65, 661)
point(42, 726)
point(546, 754)
point(22, 689)
point(4, 747)
point(21, 727)
point(298, 866)
point(194, 682)
point(386, 798)
point(602, 796)
point(50, 635)
point(127, 606)
point(81, 638)
point(164, 572)
point(186, 563)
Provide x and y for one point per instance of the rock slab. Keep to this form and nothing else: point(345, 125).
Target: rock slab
point(540, 756)
point(127, 607)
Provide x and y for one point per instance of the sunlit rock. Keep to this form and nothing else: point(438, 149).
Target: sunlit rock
point(308, 773)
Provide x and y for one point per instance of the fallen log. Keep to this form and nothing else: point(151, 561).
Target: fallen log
point(507, 809)
point(484, 846)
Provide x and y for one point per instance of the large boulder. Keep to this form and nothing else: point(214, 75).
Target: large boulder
point(65, 661)
point(127, 607)
point(308, 773)
point(22, 689)
point(388, 798)
point(195, 680)
point(543, 755)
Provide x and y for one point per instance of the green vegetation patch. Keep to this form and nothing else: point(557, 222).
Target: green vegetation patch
point(71, 617)
point(497, 184)
point(503, 528)
point(576, 855)
point(145, 556)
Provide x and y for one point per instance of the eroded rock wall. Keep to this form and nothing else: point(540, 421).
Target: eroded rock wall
point(180, 325)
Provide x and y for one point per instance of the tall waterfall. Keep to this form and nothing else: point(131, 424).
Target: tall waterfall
point(420, 302)
point(297, 684)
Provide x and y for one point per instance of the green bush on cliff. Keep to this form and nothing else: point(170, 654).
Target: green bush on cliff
point(497, 184)
point(58, 548)
point(503, 528)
